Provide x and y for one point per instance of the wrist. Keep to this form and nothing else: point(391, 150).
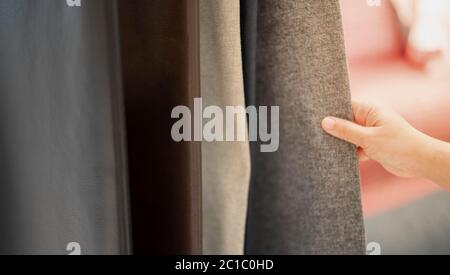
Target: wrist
point(430, 160)
point(428, 154)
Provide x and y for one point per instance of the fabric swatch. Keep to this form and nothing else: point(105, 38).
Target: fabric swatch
point(225, 165)
point(305, 198)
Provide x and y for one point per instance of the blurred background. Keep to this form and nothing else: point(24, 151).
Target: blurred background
point(398, 56)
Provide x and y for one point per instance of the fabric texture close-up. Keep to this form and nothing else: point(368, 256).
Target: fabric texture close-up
point(161, 70)
point(63, 183)
point(225, 165)
point(305, 198)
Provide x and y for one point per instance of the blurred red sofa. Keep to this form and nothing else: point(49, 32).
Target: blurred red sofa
point(380, 73)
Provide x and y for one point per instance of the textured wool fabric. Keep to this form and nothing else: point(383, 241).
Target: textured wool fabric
point(249, 30)
point(305, 198)
point(419, 228)
point(160, 46)
point(62, 154)
point(225, 165)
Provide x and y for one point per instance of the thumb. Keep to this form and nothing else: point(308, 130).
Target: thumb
point(345, 130)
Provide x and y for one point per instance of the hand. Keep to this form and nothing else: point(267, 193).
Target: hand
point(383, 136)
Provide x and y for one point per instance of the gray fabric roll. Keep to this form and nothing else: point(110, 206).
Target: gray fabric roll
point(305, 198)
point(419, 228)
point(225, 165)
point(61, 137)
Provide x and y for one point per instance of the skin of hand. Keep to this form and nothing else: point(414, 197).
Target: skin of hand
point(384, 136)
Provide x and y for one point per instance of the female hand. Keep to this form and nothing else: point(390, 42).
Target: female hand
point(384, 136)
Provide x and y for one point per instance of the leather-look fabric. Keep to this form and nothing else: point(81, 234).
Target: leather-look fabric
point(63, 177)
point(160, 54)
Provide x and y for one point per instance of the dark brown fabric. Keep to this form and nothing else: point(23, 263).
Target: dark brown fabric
point(161, 70)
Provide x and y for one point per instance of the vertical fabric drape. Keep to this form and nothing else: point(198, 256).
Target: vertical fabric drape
point(305, 198)
point(160, 56)
point(225, 165)
point(61, 138)
point(249, 31)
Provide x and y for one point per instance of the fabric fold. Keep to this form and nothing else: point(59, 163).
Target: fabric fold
point(249, 31)
point(160, 57)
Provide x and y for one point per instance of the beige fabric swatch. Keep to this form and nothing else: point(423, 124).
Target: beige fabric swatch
point(225, 165)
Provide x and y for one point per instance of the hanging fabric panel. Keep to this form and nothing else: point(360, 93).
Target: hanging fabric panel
point(304, 198)
point(160, 54)
point(63, 180)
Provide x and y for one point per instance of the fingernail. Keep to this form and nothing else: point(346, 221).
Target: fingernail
point(328, 123)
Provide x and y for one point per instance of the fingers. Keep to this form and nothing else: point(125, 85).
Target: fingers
point(345, 130)
point(366, 116)
point(362, 112)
